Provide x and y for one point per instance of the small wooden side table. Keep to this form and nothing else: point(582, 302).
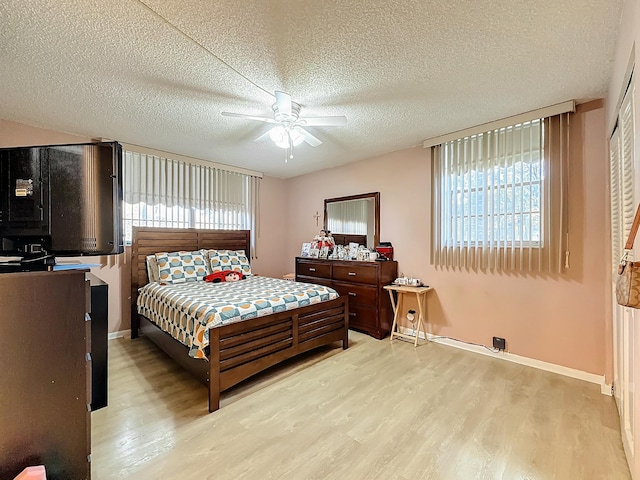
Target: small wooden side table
point(421, 296)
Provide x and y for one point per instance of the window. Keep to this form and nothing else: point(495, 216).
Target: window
point(494, 193)
point(161, 192)
point(497, 198)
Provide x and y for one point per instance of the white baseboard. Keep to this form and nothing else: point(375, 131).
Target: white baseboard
point(605, 388)
point(121, 333)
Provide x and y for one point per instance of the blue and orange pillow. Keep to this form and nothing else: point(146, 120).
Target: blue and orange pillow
point(181, 267)
point(221, 260)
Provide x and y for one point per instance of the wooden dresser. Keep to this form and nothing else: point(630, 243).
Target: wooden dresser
point(45, 386)
point(369, 306)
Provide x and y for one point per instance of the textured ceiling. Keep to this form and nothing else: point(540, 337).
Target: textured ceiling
point(157, 73)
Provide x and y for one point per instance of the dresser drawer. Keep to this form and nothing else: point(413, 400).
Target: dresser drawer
point(313, 269)
point(358, 294)
point(363, 317)
point(356, 273)
point(318, 281)
point(361, 282)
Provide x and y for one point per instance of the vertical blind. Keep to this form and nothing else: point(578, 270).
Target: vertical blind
point(162, 192)
point(621, 173)
point(499, 198)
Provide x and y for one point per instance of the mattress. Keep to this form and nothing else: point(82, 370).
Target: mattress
point(188, 310)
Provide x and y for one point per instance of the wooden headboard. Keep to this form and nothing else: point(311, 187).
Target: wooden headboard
point(149, 240)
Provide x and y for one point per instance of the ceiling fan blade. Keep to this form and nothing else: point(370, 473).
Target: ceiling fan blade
point(263, 136)
point(249, 117)
point(283, 102)
point(323, 121)
point(310, 139)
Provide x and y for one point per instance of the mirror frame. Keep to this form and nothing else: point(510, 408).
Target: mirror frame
point(376, 212)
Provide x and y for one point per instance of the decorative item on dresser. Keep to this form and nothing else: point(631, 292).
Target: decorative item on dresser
point(369, 306)
point(241, 349)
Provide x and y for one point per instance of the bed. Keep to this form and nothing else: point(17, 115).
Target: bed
point(234, 351)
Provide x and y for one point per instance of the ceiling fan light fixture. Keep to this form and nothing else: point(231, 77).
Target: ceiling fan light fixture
point(279, 136)
point(297, 137)
point(289, 130)
point(285, 137)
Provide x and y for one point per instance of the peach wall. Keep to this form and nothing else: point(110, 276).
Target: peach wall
point(272, 232)
point(116, 269)
point(557, 319)
point(16, 135)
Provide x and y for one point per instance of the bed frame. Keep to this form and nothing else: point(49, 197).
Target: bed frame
point(238, 350)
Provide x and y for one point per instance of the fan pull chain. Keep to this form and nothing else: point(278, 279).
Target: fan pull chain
point(289, 152)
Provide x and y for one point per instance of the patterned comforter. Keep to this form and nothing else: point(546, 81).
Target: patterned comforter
point(188, 310)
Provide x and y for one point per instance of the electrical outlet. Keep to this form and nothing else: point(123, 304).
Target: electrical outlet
point(499, 343)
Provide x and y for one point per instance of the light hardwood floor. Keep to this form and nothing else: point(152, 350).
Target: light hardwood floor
point(374, 411)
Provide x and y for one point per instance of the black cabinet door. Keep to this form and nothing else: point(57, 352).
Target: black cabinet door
point(99, 334)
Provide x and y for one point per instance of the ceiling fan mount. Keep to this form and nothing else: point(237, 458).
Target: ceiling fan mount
point(288, 131)
point(284, 117)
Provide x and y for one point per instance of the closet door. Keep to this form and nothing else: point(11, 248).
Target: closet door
point(623, 205)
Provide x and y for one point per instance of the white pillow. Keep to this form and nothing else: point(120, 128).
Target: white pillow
point(153, 273)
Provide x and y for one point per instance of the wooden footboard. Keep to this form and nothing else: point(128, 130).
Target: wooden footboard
point(239, 350)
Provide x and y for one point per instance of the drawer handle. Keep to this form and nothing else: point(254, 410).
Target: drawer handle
point(352, 274)
point(312, 269)
point(351, 314)
point(352, 294)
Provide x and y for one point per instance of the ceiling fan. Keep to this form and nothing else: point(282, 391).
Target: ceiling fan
point(289, 130)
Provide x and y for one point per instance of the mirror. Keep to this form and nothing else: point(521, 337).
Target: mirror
point(355, 218)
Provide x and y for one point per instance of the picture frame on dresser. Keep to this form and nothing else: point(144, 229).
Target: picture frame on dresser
point(353, 250)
